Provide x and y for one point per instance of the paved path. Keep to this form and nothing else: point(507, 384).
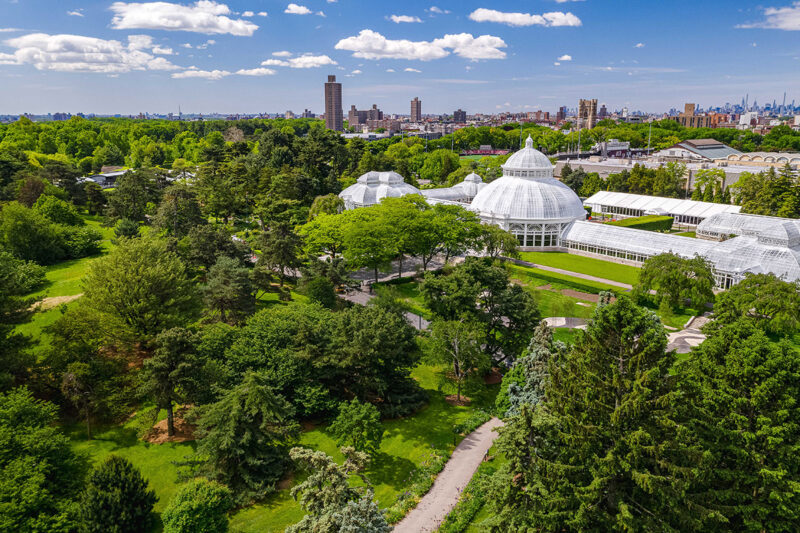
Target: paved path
point(570, 273)
point(446, 490)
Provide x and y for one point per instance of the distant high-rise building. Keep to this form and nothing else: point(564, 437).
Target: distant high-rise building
point(603, 113)
point(333, 105)
point(562, 114)
point(459, 116)
point(289, 114)
point(416, 110)
point(358, 117)
point(308, 114)
point(587, 113)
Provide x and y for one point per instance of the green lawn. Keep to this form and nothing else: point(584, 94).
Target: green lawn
point(406, 443)
point(584, 265)
point(408, 293)
point(691, 234)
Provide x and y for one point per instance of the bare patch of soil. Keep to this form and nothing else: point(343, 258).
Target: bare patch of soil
point(493, 378)
point(286, 482)
point(184, 431)
point(583, 295)
point(54, 301)
point(452, 399)
point(544, 287)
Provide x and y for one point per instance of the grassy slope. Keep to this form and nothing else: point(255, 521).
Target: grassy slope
point(584, 265)
point(406, 443)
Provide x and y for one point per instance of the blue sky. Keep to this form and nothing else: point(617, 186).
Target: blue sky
point(482, 56)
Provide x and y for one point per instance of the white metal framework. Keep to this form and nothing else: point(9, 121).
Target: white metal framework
point(373, 187)
point(685, 212)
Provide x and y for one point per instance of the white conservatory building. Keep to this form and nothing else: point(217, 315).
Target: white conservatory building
point(528, 201)
point(373, 187)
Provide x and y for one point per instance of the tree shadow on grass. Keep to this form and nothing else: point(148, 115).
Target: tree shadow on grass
point(390, 470)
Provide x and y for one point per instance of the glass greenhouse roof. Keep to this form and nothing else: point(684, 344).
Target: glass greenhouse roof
point(657, 204)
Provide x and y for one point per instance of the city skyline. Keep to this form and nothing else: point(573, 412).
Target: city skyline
point(257, 56)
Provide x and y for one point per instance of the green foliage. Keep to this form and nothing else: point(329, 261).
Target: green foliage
point(117, 499)
point(333, 505)
point(768, 193)
point(200, 506)
point(229, 291)
point(419, 483)
point(179, 211)
point(133, 191)
point(677, 280)
point(647, 222)
point(126, 228)
point(58, 211)
point(459, 344)
point(476, 419)
point(741, 395)
point(321, 291)
point(472, 500)
point(773, 304)
point(27, 234)
point(244, 438)
point(143, 285)
point(205, 244)
point(40, 475)
point(358, 425)
point(17, 278)
point(603, 452)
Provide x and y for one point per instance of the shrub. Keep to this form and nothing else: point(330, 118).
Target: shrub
point(58, 211)
point(126, 228)
point(475, 420)
point(117, 499)
point(321, 290)
point(201, 506)
point(358, 425)
point(78, 242)
point(647, 222)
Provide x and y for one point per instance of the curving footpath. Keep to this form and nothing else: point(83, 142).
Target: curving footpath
point(446, 490)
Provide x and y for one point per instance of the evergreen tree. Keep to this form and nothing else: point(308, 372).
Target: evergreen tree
point(742, 392)
point(697, 193)
point(603, 451)
point(280, 249)
point(172, 374)
point(116, 499)
point(229, 291)
point(244, 438)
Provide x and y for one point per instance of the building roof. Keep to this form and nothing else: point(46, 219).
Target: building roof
point(657, 204)
point(708, 148)
point(728, 224)
point(464, 191)
point(737, 256)
point(373, 187)
point(527, 192)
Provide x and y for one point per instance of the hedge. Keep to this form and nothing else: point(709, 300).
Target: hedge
point(647, 222)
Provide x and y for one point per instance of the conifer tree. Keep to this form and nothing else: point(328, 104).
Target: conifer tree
point(604, 451)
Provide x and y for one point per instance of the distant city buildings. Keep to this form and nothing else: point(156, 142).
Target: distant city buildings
point(587, 113)
point(289, 115)
point(356, 117)
point(460, 116)
point(561, 116)
point(333, 105)
point(308, 114)
point(416, 110)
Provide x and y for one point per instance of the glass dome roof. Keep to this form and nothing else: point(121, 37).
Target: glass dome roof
point(373, 187)
point(528, 192)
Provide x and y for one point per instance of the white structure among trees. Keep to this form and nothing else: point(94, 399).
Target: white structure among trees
point(373, 187)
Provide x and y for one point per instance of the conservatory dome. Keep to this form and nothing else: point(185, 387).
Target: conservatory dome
point(528, 201)
point(373, 187)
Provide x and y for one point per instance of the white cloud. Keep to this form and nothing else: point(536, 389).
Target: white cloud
point(409, 69)
point(204, 16)
point(206, 44)
point(555, 18)
point(397, 19)
point(247, 14)
point(438, 11)
point(639, 45)
point(10, 30)
point(262, 13)
point(303, 61)
point(369, 44)
point(294, 9)
point(76, 53)
point(163, 50)
point(565, 57)
point(282, 53)
point(205, 74)
point(321, 13)
point(256, 72)
point(356, 72)
point(75, 13)
point(389, 70)
point(186, 45)
point(779, 18)
point(557, 64)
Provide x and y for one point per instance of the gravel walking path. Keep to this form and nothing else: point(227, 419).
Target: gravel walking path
point(446, 490)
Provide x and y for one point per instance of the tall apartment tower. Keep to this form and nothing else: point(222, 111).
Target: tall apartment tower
point(460, 116)
point(587, 113)
point(333, 105)
point(416, 110)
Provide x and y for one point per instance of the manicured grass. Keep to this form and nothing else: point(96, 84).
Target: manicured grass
point(536, 277)
point(568, 336)
point(406, 443)
point(64, 279)
point(409, 295)
point(584, 265)
point(691, 234)
point(552, 303)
